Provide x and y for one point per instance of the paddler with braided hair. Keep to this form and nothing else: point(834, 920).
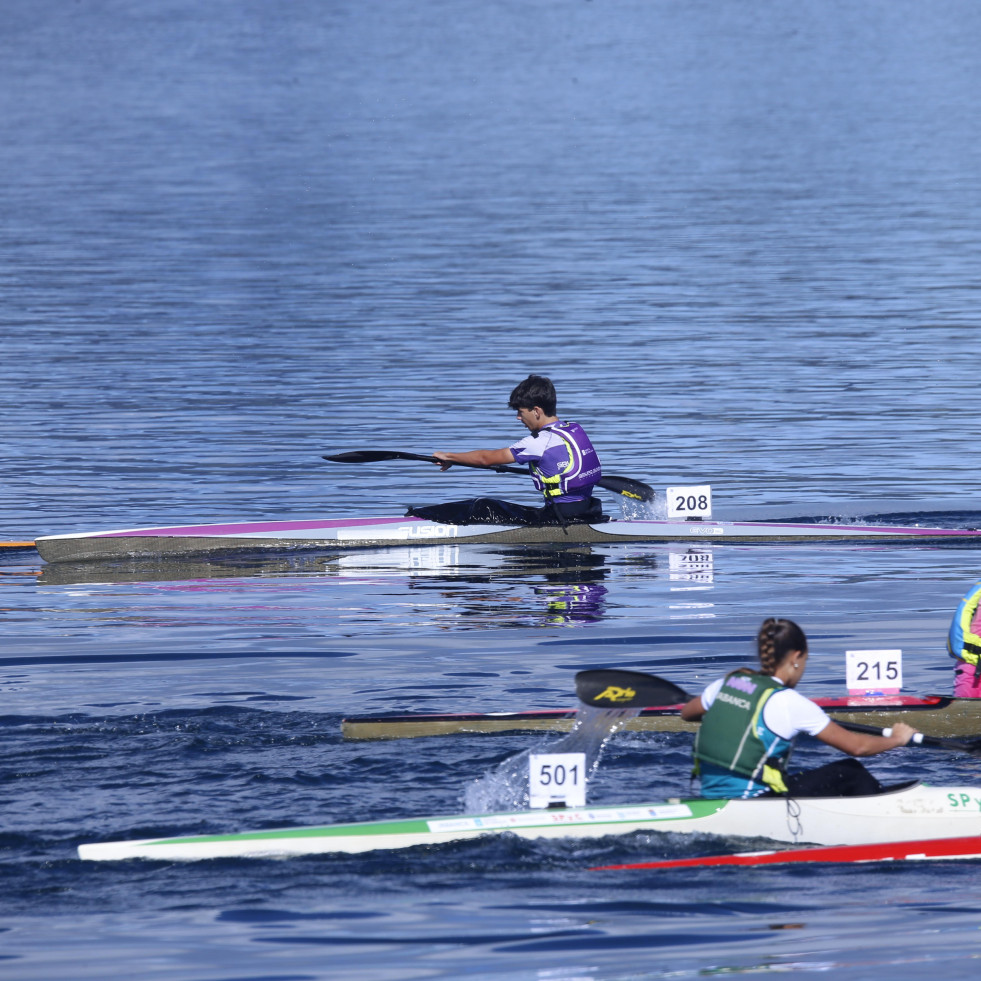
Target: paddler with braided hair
point(751, 717)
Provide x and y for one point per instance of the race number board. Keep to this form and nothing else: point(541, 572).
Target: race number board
point(874, 672)
point(557, 779)
point(689, 503)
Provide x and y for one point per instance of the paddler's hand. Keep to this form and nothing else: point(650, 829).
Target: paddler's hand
point(902, 733)
point(441, 461)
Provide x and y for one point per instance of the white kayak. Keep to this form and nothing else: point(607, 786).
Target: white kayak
point(356, 533)
point(910, 811)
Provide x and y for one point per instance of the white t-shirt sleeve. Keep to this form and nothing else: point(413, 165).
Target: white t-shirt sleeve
point(529, 449)
point(710, 692)
point(787, 713)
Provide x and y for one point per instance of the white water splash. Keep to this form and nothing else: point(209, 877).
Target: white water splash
point(631, 510)
point(505, 787)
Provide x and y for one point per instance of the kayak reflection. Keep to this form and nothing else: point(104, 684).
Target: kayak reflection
point(516, 585)
point(566, 583)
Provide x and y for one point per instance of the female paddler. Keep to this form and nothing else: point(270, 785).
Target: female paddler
point(751, 717)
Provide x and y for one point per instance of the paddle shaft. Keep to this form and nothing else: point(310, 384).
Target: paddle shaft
point(379, 456)
point(971, 744)
point(626, 486)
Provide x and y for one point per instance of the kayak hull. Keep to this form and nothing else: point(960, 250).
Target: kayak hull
point(359, 533)
point(913, 811)
point(933, 715)
point(946, 849)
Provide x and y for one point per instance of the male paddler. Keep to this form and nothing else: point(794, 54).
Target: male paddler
point(562, 461)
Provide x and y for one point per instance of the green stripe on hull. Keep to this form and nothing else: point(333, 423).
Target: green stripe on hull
point(477, 823)
point(418, 826)
point(588, 821)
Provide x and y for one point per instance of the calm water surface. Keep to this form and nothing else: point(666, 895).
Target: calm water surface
point(744, 242)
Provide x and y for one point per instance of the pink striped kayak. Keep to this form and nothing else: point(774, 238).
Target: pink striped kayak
point(342, 534)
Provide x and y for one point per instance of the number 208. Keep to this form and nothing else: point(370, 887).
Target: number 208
point(691, 502)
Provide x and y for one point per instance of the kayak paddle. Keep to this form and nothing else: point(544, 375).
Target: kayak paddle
point(610, 687)
point(626, 486)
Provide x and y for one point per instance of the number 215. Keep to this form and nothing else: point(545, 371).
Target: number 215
point(867, 670)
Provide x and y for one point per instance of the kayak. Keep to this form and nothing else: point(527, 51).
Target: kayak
point(933, 715)
point(949, 849)
point(908, 811)
point(357, 533)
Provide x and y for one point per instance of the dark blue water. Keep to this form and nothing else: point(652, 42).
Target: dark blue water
point(742, 239)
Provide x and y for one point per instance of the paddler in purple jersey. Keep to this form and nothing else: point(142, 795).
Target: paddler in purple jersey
point(562, 461)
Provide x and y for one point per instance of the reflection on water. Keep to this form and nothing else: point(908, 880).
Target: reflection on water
point(566, 585)
point(514, 585)
point(691, 566)
point(447, 559)
point(138, 571)
point(445, 589)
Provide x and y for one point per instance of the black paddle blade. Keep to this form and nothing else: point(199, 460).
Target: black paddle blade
point(611, 688)
point(374, 456)
point(628, 487)
point(380, 456)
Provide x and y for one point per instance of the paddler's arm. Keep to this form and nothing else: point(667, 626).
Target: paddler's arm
point(863, 743)
point(694, 710)
point(475, 458)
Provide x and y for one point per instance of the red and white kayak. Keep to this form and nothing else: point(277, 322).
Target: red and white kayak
point(908, 812)
point(384, 532)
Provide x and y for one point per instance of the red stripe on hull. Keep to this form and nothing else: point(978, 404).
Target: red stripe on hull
point(897, 851)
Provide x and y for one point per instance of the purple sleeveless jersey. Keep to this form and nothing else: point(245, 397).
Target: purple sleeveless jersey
point(565, 467)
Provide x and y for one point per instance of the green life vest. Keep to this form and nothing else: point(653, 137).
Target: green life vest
point(733, 736)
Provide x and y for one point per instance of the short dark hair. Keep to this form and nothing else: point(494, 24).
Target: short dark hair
point(534, 390)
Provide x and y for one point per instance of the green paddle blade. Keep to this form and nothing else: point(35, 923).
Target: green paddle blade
point(612, 688)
